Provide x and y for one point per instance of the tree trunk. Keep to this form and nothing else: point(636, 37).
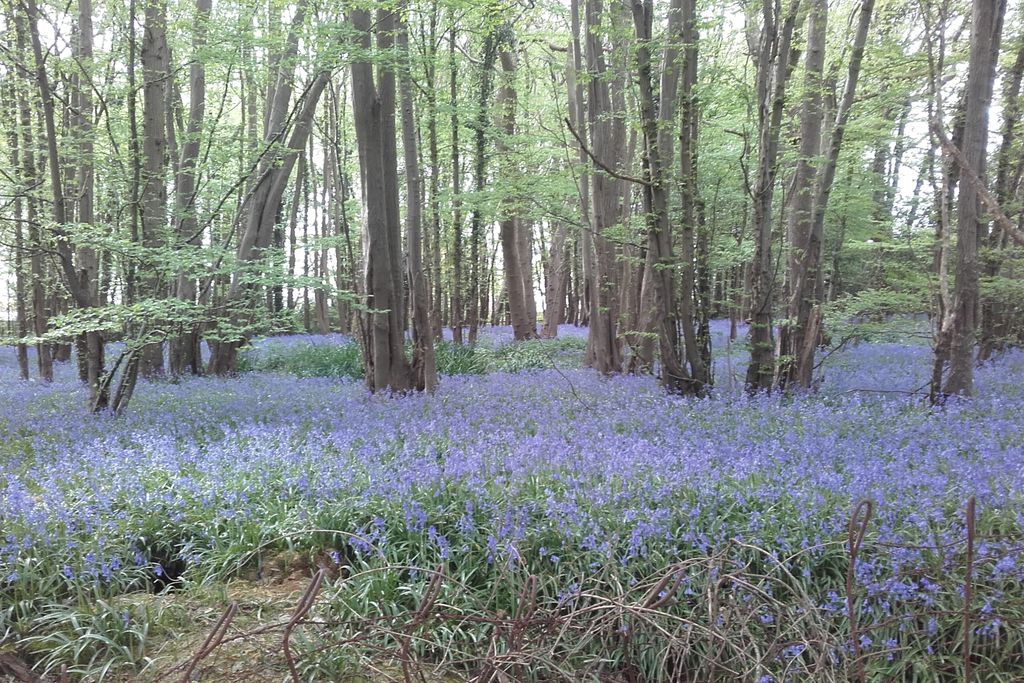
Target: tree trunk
point(91, 343)
point(674, 374)
point(809, 319)
point(696, 341)
point(458, 277)
point(477, 239)
point(424, 366)
point(267, 192)
point(607, 138)
point(986, 31)
point(384, 358)
point(775, 61)
point(10, 108)
point(510, 226)
point(155, 73)
point(995, 319)
point(30, 172)
point(557, 283)
point(524, 234)
point(434, 253)
point(804, 257)
point(184, 349)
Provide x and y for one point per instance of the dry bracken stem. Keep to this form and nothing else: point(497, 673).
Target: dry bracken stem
point(858, 527)
point(968, 589)
point(305, 604)
point(212, 640)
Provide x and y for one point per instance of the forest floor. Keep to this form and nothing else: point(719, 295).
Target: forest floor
point(529, 519)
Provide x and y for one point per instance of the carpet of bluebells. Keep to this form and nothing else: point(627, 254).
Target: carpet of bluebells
point(555, 471)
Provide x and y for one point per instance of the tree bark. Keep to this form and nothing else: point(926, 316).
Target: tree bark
point(995, 320)
point(986, 31)
point(424, 366)
point(556, 287)
point(675, 376)
point(384, 358)
point(156, 66)
point(10, 108)
point(434, 252)
point(775, 61)
point(29, 173)
point(184, 349)
point(804, 244)
point(510, 226)
point(607, 141)
point(458, 285)
point(267, 192)
point(477, 239)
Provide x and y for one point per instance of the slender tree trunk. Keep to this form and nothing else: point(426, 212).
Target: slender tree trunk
point(581, 259)
point(803, 259)
point(477, 239)
point(510, 226)
point(10, 109)
point(30, 175)
point(986, 31)
point(424, 366)
point(696, 342)
point(458, 277)
point(433, 253)
point(185, 351)
point(557, 283)
point(300, 195)
point(156, 74)
point(88, 257)
point(135, 152)
point(775, 61)
point(524, 235)
point(608, 147)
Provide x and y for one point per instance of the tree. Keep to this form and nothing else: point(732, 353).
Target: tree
point(424, 367)
point(986, 32)
point(156, 73)
point(812, 186)
point(606, 131)
point(384, 360)
point(266, 194)
point(660, 262)
point(775, 58)
point(184, 350)
point(518, 285)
